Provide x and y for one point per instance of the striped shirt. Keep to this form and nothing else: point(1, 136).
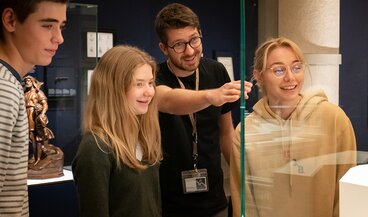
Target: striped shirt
point(13, 144)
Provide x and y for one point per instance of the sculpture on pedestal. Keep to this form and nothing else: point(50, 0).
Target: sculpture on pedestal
point(45, 160)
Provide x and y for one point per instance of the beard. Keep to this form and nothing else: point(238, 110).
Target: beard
point(181, 65)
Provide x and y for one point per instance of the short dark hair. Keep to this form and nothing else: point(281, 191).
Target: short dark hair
point(22, 9)
point(174, 16)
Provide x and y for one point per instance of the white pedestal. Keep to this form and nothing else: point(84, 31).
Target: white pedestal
point(68, 176)
point(354, 192)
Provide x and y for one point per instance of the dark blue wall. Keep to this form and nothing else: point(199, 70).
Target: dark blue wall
point(132, 21)
point(354, 67)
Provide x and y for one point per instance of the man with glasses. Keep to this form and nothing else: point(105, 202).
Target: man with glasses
point(195, 97)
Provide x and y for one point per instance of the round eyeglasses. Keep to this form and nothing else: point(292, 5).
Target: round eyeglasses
point(180, 47)
point(279, 70)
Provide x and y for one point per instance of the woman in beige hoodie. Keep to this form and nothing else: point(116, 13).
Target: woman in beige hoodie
point(297, 145)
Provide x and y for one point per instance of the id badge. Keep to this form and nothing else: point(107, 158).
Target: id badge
point(194, 181)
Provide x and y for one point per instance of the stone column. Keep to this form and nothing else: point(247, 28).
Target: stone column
point(314, 26)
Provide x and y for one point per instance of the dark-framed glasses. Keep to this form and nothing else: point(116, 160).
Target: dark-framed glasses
point(279, 70)
point(181, 46)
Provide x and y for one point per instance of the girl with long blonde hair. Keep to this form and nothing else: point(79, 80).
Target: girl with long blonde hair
point(116, 166)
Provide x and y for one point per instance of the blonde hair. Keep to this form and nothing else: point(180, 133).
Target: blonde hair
point(109, 116)
point(261, 54)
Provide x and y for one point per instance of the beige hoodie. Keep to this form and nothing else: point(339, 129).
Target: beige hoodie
point(293, 166)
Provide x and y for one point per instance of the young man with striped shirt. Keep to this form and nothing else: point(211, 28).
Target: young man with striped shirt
point(30, 33)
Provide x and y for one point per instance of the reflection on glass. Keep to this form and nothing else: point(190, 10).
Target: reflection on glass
point(297, 144)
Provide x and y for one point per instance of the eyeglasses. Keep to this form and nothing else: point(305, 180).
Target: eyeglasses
point(180, 47)
point(279, 70)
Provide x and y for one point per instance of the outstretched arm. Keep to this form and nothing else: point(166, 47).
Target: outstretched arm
point(182, 101)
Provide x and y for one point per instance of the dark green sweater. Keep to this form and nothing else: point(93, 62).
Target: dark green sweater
point(105, 190)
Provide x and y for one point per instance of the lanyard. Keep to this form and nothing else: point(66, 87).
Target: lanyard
point(192, 117)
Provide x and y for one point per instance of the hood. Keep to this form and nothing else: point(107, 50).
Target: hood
point(286, 133)
point(311, 98)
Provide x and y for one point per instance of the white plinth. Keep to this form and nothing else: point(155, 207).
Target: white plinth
point(68, 176)
point(354, 192)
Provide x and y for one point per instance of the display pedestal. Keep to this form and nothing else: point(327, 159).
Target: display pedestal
point(68, 176)
point(354, 192)
point(54, 197)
